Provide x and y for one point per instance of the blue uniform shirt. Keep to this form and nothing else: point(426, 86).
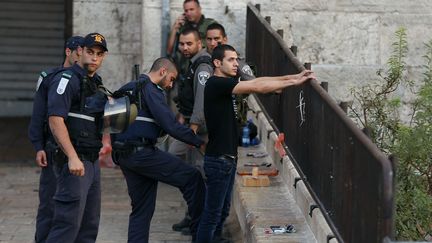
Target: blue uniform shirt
point(155, 117)
point(38, 121)
point(65, 90)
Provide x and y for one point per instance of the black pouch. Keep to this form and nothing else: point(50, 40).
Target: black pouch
point(59, 158)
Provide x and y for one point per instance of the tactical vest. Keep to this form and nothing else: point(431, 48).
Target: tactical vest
point(186, 96)
point(84, 121)
point(46, 76)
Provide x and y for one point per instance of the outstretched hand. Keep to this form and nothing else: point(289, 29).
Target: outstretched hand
point(303, 76)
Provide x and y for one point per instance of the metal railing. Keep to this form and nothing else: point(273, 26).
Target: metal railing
point(350, 178)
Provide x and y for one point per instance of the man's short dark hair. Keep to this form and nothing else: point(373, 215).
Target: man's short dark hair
point(191, 30)
point(219, 51)
point(217, 26)
point(186, 1)
point(163, 62)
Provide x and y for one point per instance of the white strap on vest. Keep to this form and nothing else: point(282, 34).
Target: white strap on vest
point(81, 116)
point(146, 119)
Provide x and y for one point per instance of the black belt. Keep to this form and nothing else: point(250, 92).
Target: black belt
point(91, 157)
point(227, 157)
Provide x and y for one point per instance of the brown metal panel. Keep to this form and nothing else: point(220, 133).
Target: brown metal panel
point(349, 177)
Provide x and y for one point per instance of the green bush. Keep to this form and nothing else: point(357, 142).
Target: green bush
point(375, 107)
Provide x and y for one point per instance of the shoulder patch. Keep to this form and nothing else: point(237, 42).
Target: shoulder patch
point(41, 77)
point(247, 70)
point(203, 76)
point(63, 83)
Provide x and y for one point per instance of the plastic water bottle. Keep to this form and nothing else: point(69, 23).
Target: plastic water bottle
point(245, 136)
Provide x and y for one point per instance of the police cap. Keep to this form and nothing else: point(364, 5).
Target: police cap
point(95, 39)
point(74, 42)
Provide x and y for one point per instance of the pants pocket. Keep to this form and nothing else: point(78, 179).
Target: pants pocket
point(68, 186)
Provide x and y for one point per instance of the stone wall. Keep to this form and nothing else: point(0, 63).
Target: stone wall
point(120, 22)
point(346, 40)
point(134, 30)
point(349, 40)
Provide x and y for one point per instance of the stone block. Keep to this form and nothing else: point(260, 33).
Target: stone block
point(418, 28)
point(260, 180)
point(117, 70)
point(118, 22)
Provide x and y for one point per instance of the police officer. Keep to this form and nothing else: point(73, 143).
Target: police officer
point(190, 97)
point(192, 17)
point(75, 105)
point(191, 88)
point(143, 164)
point(37, 133)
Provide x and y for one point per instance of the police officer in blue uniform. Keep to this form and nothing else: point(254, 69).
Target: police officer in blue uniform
point(38, 133)
point(143, 164)
point(76, 100)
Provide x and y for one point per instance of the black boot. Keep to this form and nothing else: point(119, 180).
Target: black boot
point(186, 231)
point(182, 224)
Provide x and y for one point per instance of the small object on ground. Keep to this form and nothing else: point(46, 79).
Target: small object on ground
point(277, 229)
point(257, 154)
point(247, 170)
point(253, 164)
point(255, 172)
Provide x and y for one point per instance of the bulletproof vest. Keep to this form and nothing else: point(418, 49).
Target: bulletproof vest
point(44, 77)
point(84, 121)
point(186, 95)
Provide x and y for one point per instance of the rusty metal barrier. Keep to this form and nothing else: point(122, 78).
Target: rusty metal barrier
point(349, 177)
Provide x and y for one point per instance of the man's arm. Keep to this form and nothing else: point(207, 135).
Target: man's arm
point(61, 135)
point(173, 34)
point(270, 84)
point(203, 72)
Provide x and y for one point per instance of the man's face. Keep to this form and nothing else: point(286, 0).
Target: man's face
point(92, 57)
point(167, 81)
point(192, 12)
point(229, 64)
point(73, 56)
point(213, 39)
point(189, 45)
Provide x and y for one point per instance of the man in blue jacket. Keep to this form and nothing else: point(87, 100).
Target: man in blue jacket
point(143, 164)
point(38, 134)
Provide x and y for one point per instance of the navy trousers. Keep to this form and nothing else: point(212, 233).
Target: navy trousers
point(77, 203)
point(142, 171)
point(45, 213)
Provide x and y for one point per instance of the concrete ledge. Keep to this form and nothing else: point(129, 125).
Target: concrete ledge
point(282, 202)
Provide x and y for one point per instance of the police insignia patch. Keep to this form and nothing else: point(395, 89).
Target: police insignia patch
point(62, 86)
point(247, 70)
point(203, 76)
point(39, 82)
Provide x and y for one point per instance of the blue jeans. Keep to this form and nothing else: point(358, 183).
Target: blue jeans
point(220, 173)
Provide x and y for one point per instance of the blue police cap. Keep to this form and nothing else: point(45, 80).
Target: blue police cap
point(95, 39)
point(74, 42)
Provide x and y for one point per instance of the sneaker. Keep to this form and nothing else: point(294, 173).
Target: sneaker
point(182, 224)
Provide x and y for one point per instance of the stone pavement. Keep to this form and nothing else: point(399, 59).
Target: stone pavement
point(18, 203)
